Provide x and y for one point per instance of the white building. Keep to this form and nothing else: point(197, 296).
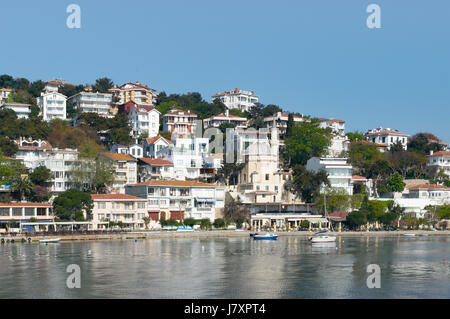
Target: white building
point(239, 140)
point(144, 119)
point(155, 168)
point(89, 102)
point(180, 199)
point(130, 210)
point(22, 110)
point(187, 156)
point(4, 94)
point(52, 105)
point(153, 145)
point(334, 125)
point(135, 150)
point(32, 152)
point(387, 137)
point(237, 99)
point(125, 167)
point(338, 170)
point(217, 120)
point(439, 161)
point(136, 92)
point(54, 85)
point(179, 122)
point(280, 120)
point(339, 144)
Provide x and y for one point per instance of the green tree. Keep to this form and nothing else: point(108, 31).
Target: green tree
point(71, 204)
point(355, 136)
point(219, 223)
point(290, 124)
point(92, 174)
point(395, 183)
point(102, 85)
point(7, 147)
point(308, 140)
point(336, 200)
point(22, 187)
point(40, 176)
point(307, 184)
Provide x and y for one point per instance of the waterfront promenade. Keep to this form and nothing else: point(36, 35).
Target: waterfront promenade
point(213, 234)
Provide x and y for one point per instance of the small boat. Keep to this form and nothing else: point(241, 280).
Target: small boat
point(49, 240)
point(322, 239)
point(185, 229)
point(409, 235)
point(253, 234)
point(265, 237)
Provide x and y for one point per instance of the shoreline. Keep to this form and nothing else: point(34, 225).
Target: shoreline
point(220, 234)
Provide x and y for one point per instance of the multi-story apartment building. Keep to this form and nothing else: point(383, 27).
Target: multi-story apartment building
point(130, 210)
point(338, 170)
point(180, 199)
point(22, 110)
point(89, 102)
point(23, 212)
point(4, 94)
point(339, 145)
point(54, 85)
point(217, 120)
point(335, 126)
point(144, 119)
point(187, 156)
point(239, 140)
point(136, 92)
point(237, 99)
point(35, 153)
point(438, 161)
point(387, 137)
point(179, 122)
point(125, 167)
point(280, 120)
point(52, 105)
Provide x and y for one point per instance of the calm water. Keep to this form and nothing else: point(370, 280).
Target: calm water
point(228, 268)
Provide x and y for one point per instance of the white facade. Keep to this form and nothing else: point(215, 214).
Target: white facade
point(88, 102)
point(144, 119)
point(217, 120)
point(179, 122)
point(280, 120)
point(338, 170)
point(23, 111)
point(237, 99)
point(52, 106)
point(191, 199)
point(387, 137)
point(134, 150)
point(136, 92)
point(155, 168)
point(187, 156)
point(125, 171)
point(335, 126)
point(153, 145)
point(129, 210)
point(439, 161)
point(339, 144)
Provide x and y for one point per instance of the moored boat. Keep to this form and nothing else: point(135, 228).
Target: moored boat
point(185, 229)
point(49, 240)
point(409, 235)
point(322, 239)
point(265, 237)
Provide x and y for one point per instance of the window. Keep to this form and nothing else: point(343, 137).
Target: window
point(4, 211)
point(16, 211)
point(267, 177)
point(41, 211)
point(101, 205)
point(29, 211)
point(141, 205)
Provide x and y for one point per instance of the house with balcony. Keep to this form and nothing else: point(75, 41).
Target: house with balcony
point(179, 122)
point(5, 94)
point(22, 110)
point(125, 171)
point(90, 102)
point(187, 156)
point(135, 150)
point(339, 172)
point(52, 105)
point(280, 120)
point(153, 145)
point(387, 137)
point(144, 119)
point(335, 126)
point(438, 161)
point(180, 199)
point(127, 209)
point(154, 168)
point(217, 120)
point(237, 99)
point(135, 92)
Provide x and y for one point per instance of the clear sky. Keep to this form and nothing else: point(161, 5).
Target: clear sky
point(316, 57)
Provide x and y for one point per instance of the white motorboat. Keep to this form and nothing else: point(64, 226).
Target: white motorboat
point(409, 235)
point(49, 240)
point(322, 239)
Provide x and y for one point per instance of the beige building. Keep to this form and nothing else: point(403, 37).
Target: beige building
point(23, 212)
point(125, 167)
point(136, 92)
point(129, 210)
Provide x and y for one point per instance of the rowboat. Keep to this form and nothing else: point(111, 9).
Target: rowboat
point(265, 237)
point(49, 240)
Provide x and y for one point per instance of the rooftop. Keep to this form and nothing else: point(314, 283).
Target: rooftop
point(120, 157)
point(115, 196)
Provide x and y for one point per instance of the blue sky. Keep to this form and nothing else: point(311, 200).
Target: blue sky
point(316, 57)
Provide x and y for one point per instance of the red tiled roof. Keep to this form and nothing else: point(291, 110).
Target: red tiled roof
point(440, 153)
point(25, 205)
point(152, 140)
point(144, 108)
point(156, 161)
point(430, 186)
point(386, 132)
point(176, 112)
point(235, 91)
point(356, 177)
point(322, 119)
point(120, 157)
point(15, 103)
point(338, 216)
point(115, 196)
point(46, 145)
